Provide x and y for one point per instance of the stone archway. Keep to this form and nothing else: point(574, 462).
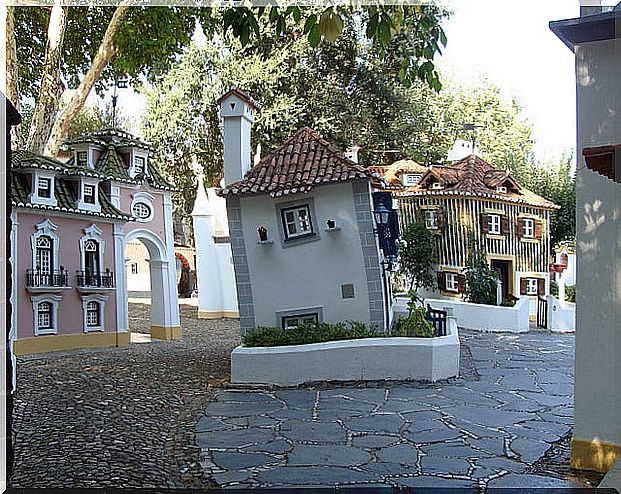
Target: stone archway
point(164, 301)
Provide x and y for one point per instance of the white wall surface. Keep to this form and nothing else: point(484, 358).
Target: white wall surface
point(429, 359)
point(598, 225)
point(561, 315)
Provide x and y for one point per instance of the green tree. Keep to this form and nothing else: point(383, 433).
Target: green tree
point(418, 256)
point(481, 287)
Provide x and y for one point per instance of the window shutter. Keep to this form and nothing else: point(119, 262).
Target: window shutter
point(441, 281)
point(461, 283)
point(441, 218)
point(538, 229)
point(523, 286)
point(541, 286)
point(519, 227)
point(504, 225)
point(484, 223)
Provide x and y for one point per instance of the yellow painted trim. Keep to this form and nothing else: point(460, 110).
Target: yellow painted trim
point(214, 314)
point(593, 455)
point(63, 342)
point(166, 332)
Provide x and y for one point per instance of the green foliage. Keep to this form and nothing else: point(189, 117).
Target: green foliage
point(416, 324)
point(91, 118)
point(554, 288)
point(507, 303)
point(308, 333)
point(480, 278)
point(418, 256)
point(570, 293)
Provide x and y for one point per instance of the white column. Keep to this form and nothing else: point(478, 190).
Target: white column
point(207, 265)
point(14, 302)
point(122, 322)
point(172, 299)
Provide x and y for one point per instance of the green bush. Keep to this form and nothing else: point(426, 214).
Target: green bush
point(570, 293)
point(308, 333)
point(554, 288)
point(508, 302)
point(416, 324)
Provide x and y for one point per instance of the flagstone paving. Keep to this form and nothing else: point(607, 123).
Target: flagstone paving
point(488, 428)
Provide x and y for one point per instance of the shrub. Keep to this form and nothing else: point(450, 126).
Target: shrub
point(554, 288)
point(570, 293)
point(308, 333)
point(481, 287)
point(416, 324)
point(418, 256)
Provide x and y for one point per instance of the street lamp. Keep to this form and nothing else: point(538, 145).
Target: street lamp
point(381, 215)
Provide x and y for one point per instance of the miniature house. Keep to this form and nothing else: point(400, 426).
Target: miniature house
point(301, 229)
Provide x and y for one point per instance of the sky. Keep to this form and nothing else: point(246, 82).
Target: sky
point(510, 43)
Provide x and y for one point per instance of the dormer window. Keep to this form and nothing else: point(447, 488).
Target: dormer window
point(437, 186)
point(82, 158)
point(44, 187)
point(89, 194)
point(139, 164)
point(501, 189)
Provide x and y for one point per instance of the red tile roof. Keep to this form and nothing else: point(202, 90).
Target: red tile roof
point(303, 162)
point(472, 176)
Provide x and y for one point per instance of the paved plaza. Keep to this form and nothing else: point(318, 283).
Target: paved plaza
point(488, 428)
point(157, 415)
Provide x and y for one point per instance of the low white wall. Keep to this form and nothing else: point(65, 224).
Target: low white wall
point(561, 315)
point(367, 359)
point(480, 317)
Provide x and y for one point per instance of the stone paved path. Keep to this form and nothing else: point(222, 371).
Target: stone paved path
point(488, 428)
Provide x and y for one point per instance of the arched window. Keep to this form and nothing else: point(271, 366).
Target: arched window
point(93, 314)
point(45, 319)
point(91, 262)
point(44, 261)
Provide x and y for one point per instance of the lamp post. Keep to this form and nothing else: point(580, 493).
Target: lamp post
point(382, 214)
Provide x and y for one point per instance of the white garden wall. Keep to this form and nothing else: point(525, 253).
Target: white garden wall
point(479, 317)
point(367, 359)
point(561, 315)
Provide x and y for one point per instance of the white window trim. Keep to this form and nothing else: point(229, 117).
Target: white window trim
point(410, 179)
point(52, 299)
point(47, 228)
point(431, 222)
point(295, 209)
point(34, 197)
point(92, 232)
point(147, 199)
point(81, 204)
point(134, 153)
point(491, 223)
point(532, 228)
point(532, 282)
point(437, 186)
point(451, 278)
point(501, 189)
point(101, 300)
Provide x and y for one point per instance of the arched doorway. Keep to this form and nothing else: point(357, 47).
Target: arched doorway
point(162, 273)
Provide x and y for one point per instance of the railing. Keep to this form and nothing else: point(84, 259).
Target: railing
point(542, 312)
point(36, 279)
point(438, 319)
point(105, 280)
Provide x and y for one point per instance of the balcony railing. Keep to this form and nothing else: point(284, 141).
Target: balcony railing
point(54, 279)
point(104, 280)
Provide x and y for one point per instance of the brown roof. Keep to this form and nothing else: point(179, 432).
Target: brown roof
point(472, 176)
point(243, 95)
point(391, 174)
point(302, 162)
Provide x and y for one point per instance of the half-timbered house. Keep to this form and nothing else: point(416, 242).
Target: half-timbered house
point(472, 200)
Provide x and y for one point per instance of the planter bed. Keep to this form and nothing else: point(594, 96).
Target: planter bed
point(367, 359)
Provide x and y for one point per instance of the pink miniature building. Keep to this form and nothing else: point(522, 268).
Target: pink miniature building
point(71, 224)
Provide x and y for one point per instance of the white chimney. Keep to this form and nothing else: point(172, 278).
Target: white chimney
point(462, 149)
point(237, 110)
point(352, 153)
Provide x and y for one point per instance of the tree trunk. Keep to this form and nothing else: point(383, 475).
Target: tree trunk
point(105, 54)
point(12, 88)
point(51, 85)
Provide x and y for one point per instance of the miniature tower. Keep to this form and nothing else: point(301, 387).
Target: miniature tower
point(217, 296)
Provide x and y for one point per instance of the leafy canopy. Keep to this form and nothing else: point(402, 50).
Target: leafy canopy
point(418, 256)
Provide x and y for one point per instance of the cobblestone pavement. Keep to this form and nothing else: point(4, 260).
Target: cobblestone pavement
point(502, 424)
point(120, 417)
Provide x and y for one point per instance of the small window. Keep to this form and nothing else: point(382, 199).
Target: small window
point(141, 210)
point(451, 282)
point(437, 186)
point(45, 320)
point(93, 314)
point(297, 221)
point(411, 179)
point(82, 158)
point(494, 224)
point(139, 164)
point(292, 322)
point(529, 228)
point(44, 187)
point(431, 219)
point(89, 194)
point(134, 268)
point(531, 287)
point(501, 189)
